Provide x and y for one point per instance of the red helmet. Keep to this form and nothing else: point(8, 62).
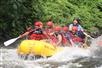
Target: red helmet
point(74, 28)
point(58, 28)
point(65, 28)
point(49, 23)
point(38, 24)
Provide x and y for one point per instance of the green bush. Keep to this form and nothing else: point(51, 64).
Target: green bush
point(16, 15)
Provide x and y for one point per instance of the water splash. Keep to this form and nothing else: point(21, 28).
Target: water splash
point(96, 48)
point(72, 56)
point(68, 58)
point(99, 67)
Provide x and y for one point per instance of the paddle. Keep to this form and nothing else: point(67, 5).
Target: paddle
point(85, 43)
point(88, 35)
point(7, 43)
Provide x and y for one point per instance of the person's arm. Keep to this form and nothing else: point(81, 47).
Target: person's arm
point(59, 39)
point(70, 27)
point(46, 34)
point(25, 34)
point(85, 32)
point(80, 28)
point(71, 41)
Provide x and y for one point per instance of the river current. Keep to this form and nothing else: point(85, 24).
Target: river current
point(69, 58)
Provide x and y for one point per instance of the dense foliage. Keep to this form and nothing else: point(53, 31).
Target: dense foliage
point(16, 15)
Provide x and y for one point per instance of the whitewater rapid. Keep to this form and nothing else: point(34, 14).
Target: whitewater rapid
point(69, 58)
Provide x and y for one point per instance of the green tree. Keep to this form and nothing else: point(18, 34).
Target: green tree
point(16, 15)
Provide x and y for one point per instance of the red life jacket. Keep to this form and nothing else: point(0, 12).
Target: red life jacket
point(36, 36)
point(52, 37)
point(75, 38)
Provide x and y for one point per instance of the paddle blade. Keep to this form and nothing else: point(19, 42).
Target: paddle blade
point(10, 41)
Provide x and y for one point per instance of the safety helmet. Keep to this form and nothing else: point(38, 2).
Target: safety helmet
point(65, 28)
point(58, 28)
point(49, 23)
point(74, 28)
point(38, 24)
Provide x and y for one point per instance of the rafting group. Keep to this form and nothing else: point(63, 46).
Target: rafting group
point(72, 35)
point(48, 41)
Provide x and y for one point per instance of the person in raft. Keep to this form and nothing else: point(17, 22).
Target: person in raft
point(61, 40)
point(66, 34)
point(75, 38)
point(50, 32)
point(35, 34)
point(80, 31)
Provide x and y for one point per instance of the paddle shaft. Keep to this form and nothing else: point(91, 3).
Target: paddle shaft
point(88, 35)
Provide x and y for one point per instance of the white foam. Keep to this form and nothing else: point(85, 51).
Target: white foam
point(70, 54)
point(99, 66)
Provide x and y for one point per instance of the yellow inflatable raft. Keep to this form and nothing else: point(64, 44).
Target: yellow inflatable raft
point(37, 48)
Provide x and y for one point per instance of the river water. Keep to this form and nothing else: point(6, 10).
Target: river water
point(68, 58)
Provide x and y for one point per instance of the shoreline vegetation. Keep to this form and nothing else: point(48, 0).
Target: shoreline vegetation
point(17, 15)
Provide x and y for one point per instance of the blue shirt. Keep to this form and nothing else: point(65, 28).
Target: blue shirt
point(79, 27)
